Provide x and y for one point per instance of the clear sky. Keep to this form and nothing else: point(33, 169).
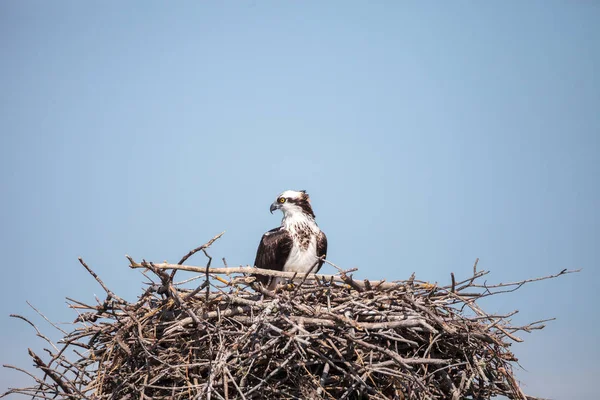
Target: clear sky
point(427, 133)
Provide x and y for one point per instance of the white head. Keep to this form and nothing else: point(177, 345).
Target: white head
point(292, 202)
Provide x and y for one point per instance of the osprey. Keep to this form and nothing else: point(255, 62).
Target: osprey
point(297, 244)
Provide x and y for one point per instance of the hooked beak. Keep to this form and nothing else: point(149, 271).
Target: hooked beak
point(274, 207)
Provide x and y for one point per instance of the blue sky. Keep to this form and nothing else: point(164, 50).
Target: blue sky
point(428, 134)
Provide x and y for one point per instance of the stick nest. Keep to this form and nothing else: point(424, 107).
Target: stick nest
point(324, 336)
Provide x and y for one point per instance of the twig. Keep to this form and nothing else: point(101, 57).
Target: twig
point(330, 337)
point(194, 251)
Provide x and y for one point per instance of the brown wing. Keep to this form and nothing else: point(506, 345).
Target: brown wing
point(321, 248)
point(273, 252)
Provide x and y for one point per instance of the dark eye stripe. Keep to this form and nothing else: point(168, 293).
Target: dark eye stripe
point(303, 203)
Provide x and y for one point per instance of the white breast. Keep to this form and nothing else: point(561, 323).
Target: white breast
point(302, 257)
point(302, 260)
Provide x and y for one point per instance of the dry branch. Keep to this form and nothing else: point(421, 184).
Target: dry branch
point(327, 336)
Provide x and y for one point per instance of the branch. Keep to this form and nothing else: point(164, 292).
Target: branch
point(259, 271)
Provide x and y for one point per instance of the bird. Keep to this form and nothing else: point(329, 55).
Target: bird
point(298, 245)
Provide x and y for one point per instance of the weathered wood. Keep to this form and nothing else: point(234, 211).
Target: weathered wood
point(327, 336)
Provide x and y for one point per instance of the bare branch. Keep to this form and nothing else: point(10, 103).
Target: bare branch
point(329, 336)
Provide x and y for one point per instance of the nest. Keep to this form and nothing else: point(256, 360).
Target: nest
point(322, 336)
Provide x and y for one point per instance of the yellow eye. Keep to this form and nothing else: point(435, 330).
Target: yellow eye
point(282, 200)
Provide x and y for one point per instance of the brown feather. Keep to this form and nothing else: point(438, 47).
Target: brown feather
point(272, 252)
point(321, 249)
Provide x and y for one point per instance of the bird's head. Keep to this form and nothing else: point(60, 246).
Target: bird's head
point(292, 202)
